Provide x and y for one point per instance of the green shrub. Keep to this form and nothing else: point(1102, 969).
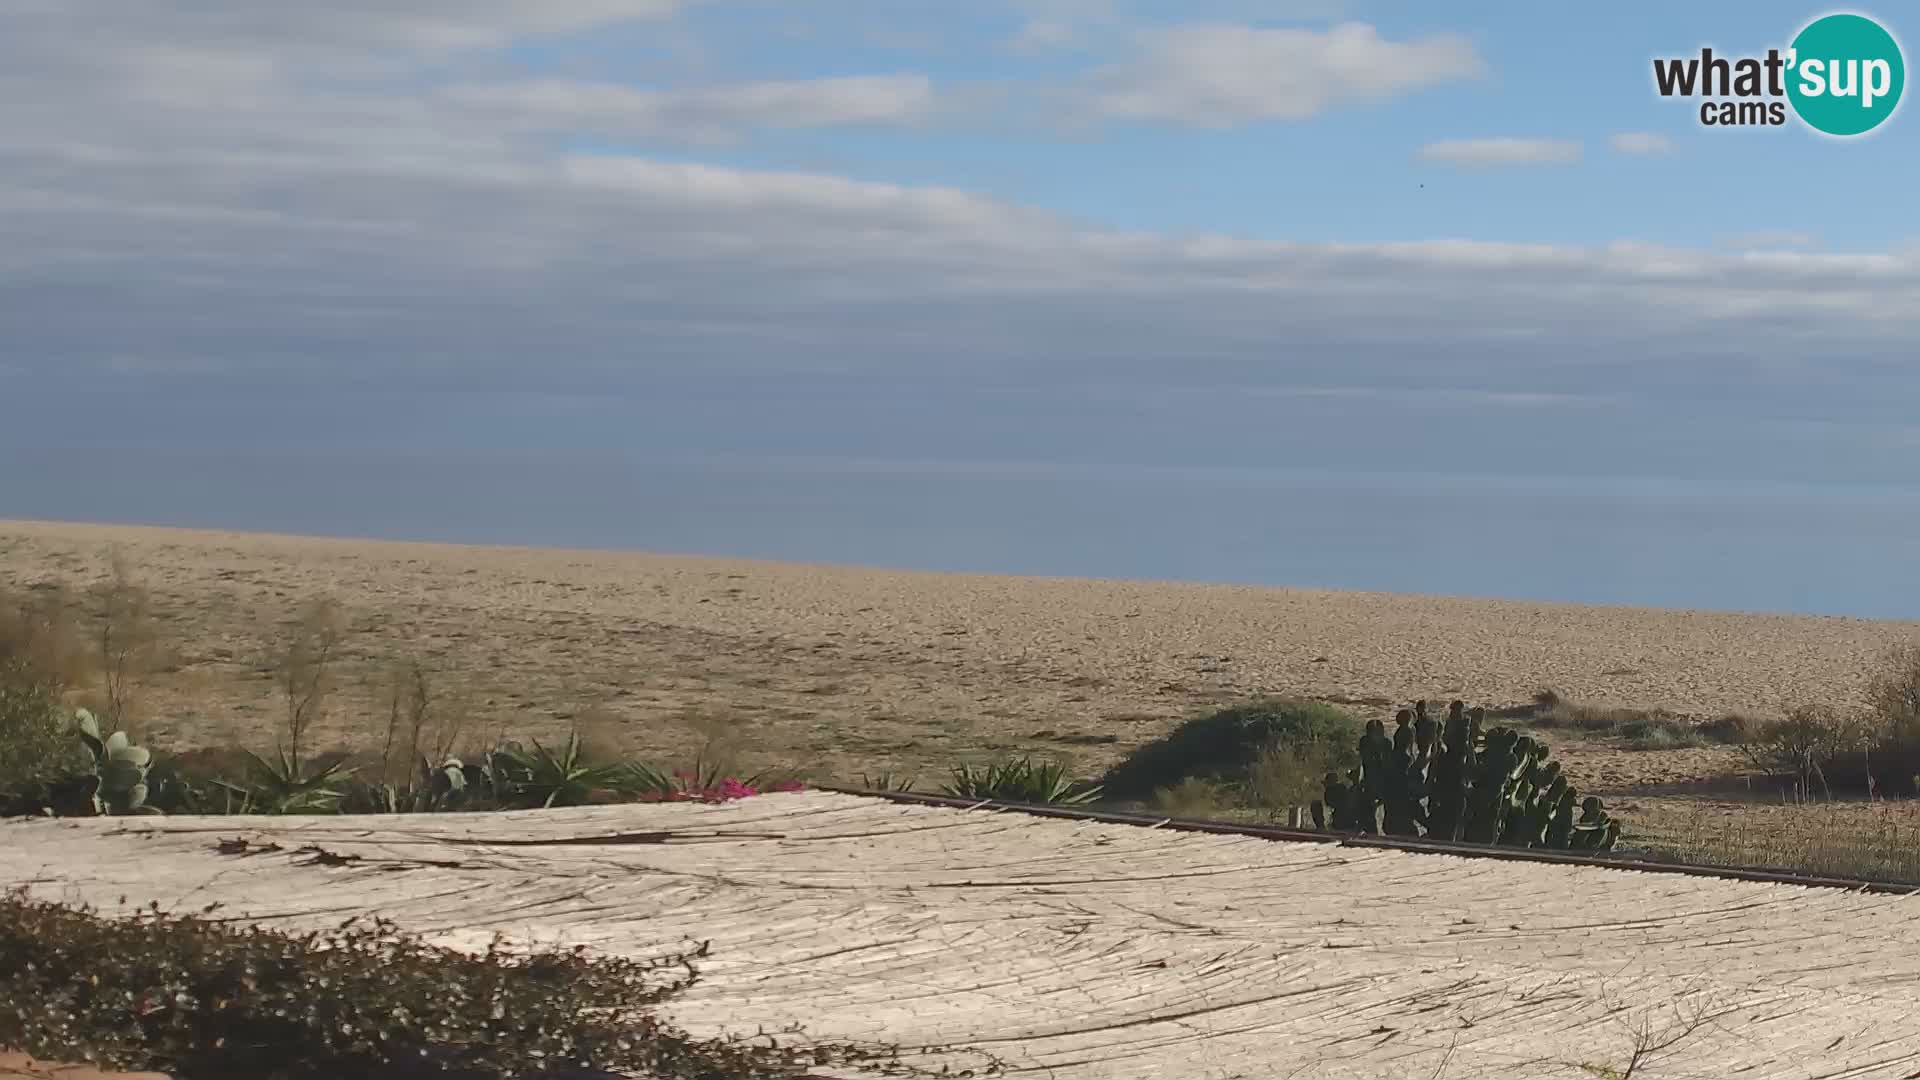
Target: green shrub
point(1268, 750)
point(207, 998)
point(1021, 780)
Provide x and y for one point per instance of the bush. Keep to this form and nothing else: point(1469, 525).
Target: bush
point(43, 655)
point(1268, 750)
point(204, 998)
point(1889, 760)
point(1803, 745)
point(1288, 774)
point(37, 745)
point(1876, 751)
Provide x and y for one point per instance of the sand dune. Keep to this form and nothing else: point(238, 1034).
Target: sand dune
point(846, 669)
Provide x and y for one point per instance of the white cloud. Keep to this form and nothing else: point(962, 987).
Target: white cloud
point(1640, 142)
point(1221, 75)
point(713, 188)
point(1772, 238)
point(706, 113)
point(1501, 152)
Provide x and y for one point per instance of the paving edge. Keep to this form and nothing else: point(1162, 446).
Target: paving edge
point(1358, 840)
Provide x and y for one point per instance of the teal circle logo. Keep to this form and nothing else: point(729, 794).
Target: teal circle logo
point(1845, 74)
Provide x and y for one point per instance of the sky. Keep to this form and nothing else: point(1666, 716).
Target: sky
point(1334, 263)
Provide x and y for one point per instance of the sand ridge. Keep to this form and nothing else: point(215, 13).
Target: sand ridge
point(845, 669)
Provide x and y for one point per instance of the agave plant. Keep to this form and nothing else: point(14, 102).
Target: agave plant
point(284, 786)
point(1022, 780)
point(647, 783)
point(886, 781)
point(541, 777)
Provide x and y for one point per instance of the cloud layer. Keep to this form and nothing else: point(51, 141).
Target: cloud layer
point(175, 197)
point(702, 114)
point(1501, 152)
point(1640, 142)
point(1222, 75)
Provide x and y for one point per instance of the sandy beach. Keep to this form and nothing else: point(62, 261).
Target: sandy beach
point(843, 670)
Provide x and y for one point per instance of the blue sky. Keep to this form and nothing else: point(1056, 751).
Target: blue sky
point(1396, 247)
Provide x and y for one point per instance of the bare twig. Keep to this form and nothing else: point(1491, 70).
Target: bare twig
point(124, 637)
point(306, 669)
point(1653, 1037)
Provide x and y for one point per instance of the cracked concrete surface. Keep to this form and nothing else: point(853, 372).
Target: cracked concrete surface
point(1077, 949)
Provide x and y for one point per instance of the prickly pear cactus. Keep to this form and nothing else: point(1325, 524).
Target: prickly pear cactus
point(118, 783)
point(1452, 780)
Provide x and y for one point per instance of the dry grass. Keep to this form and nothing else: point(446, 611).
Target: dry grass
point(41, 635)
point(307, 674)
point(1732, 729)
point(419, 723)
point(1875, 841)
point(1288, 776)
point(1894, 694)
point(124, 639)
point(1553, 710)
point(1660, 733)
point(1193, 798)
point(1637, 729)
